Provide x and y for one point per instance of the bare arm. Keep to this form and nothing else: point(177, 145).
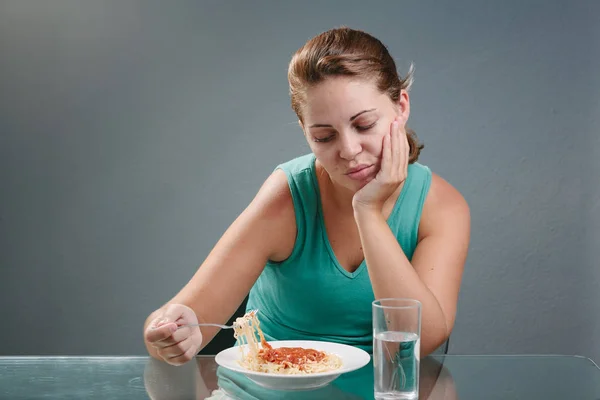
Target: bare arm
point(265, 230)
point(434, 275)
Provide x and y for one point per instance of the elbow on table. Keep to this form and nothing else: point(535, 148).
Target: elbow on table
point(432, 342)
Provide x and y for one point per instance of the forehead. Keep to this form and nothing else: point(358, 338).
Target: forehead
point(342, 96)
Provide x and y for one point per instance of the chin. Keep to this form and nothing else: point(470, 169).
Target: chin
point(355, 186)
point(362, 184)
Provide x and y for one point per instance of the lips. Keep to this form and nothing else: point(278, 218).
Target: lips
point(360, 172)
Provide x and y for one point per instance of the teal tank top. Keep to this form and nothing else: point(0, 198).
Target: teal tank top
point(310, 296)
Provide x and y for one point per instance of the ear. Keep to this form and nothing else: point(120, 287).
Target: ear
point(403, 105)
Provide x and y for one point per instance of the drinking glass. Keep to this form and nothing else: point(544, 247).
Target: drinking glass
point(396, 348)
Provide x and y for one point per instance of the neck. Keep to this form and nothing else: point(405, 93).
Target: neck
point(341, 196)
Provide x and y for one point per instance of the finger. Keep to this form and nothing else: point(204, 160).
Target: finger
point(176, 349)
point(155, 334)
point(405, 153)
point(173, 313)
point(386, 156)
point(396, 148)
point(185, 357)
point(178, 336)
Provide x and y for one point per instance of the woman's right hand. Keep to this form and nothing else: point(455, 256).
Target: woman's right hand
point(175, 346)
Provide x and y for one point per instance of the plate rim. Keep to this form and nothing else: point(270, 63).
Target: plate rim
point(343, 370)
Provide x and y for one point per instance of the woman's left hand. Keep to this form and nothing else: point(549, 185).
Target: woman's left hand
point(392, 173)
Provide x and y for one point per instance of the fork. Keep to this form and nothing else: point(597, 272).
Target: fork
point(206, 324)
point(217, 325)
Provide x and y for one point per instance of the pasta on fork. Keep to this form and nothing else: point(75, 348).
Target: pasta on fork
point(258, 355)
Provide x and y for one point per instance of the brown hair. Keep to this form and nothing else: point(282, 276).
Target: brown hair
point(348, 52)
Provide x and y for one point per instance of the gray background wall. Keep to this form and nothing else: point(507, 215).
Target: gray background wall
point(132, 133)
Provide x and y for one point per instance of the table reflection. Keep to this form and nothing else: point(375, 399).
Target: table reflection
point(203, 379)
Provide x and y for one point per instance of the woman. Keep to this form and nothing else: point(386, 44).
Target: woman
point(358, 219)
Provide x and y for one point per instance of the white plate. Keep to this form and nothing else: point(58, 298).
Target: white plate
point(352, 359)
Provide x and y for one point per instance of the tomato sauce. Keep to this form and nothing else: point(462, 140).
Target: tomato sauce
point(289, 356)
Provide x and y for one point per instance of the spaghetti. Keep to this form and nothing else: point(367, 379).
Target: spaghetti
point(262, 357)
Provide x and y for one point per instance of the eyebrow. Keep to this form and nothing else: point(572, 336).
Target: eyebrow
point(352, 118)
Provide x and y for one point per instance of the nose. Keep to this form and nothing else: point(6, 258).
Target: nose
point(350, 146)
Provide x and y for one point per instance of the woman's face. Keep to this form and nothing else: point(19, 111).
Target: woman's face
point(345, 121)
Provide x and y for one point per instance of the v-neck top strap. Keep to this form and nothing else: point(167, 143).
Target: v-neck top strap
point(310, 296)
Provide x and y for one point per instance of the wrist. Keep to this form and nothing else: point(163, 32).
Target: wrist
point(363, 212)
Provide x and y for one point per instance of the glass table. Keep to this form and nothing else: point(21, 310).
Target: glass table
point(442, 377)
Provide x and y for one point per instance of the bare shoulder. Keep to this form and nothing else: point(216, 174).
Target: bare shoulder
point(274, 199)
point(445, 209)
point(274, 206)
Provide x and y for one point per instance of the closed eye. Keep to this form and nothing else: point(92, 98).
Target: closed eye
point(365, 128)
point(323, 140)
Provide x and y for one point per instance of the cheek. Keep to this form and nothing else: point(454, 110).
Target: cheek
point(375, 143)
point(321, 152)
point(325, 155)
